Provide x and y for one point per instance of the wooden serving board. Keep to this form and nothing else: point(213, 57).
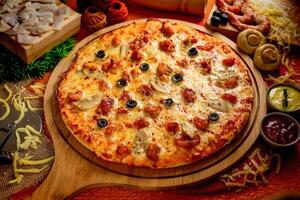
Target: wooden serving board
point(29, 53)
point(75, 166)
point(226, 29)
point(293, 9)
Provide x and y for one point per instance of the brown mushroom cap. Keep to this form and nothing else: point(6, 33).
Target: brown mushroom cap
point(253, 40)
point(249, 40)
point(267, 57)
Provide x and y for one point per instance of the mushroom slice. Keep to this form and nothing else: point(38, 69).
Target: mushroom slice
point(88, 103)
point(140, 142)
point(160, 86)
point(4, 26)
point(12, 3)
point(93, 74)
point(207, 137)
point(27, 39)
point(58, 22)
point(123, 50)
point(27, 12)
point(10, 18)
point(219, 105)
point(64, 11)
point(41, 28)
point(46, 19)
point(44, 1)
point(18, 30)
point(44, 6)
point(29, 21)
point(188, 129)
point(44, 14)
point(4, 9)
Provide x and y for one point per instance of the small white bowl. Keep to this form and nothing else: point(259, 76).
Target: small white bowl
point(278, 85)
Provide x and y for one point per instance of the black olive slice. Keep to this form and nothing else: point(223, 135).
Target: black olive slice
point(144, 67)
point(224, 18)
point(121, 83)
point(192, 51)
point(168, 102)
point(102, 123)
point(100, 54)
point(131, 103)
point(213, 116)
point(217, 13)
point(215, 21)
point(177, 77)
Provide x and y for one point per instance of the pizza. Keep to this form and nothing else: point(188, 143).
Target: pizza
point(155, 94)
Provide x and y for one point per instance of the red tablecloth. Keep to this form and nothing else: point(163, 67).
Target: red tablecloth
point(287, 180)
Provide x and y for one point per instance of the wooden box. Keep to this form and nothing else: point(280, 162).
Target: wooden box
point(29, 53)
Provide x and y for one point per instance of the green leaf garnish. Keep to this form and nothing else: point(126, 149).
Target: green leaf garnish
point(14, 69)
point(284, 101)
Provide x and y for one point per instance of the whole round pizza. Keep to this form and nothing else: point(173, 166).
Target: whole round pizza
point(155, 94)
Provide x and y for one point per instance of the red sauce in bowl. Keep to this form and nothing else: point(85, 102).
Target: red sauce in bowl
point(280, 129)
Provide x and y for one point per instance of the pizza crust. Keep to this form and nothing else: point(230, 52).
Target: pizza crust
point(117, 141)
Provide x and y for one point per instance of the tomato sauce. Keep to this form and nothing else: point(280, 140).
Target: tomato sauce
point(280, 129)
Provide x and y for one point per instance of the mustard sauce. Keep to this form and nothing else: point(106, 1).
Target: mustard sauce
point(285, 98)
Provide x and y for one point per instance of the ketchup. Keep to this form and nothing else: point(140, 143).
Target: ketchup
point(280, 129)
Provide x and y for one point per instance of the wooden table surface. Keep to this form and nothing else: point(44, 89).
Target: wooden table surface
point(135, 13)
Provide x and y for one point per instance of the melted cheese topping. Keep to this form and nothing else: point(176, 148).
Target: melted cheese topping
point(208, 95)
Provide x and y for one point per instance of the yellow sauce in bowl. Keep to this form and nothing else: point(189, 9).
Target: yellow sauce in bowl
point(285, 98)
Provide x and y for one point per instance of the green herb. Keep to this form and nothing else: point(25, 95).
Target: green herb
point(284, 101)
point(285, 94)
point(14, 69)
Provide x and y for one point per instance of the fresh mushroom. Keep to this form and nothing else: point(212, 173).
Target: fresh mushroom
point(88, 103)
point(249, 40)
point(267, 57)
point(140, 142)
point(93, 74)
point(219, 105)
point(4, 26)
point(123, 50)
point(160, 86)
point(188, 129)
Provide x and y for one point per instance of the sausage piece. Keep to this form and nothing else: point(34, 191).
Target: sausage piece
point(189, 95)
point(167, 45)
point(123, 150)
point(153, 151)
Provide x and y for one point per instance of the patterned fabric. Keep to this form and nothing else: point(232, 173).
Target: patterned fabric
point(44, 150)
